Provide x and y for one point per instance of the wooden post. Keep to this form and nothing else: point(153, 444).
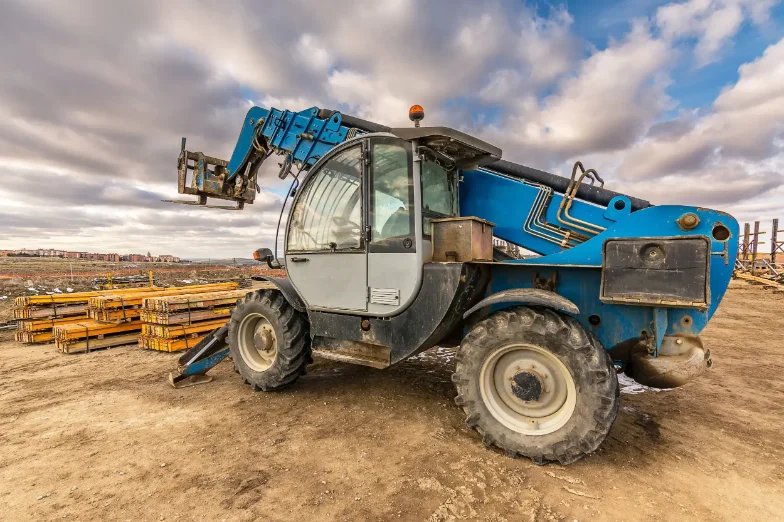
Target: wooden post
point(754, 245)
point(745, 247)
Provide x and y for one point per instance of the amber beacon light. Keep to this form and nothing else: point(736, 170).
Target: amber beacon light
point(416, 114)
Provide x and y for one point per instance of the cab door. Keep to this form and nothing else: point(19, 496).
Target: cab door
point(394, 225)
point(326, 254)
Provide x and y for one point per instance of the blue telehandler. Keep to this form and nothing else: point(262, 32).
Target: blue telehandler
point(390, 248)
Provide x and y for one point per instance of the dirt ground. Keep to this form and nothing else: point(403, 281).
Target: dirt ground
point(102, 437)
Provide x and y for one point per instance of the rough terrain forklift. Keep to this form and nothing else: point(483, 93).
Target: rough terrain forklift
point(389, 250)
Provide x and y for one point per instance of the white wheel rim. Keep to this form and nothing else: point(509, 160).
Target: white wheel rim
point(257, 342)
point(527, 389)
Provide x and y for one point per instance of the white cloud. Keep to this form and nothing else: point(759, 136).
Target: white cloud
point(502, 86)
point(312, 52)
point(369, 97)
point(712, 22)
point(548, 44)
point(718, 27)
point(721, 186)
point(760, 82)
point(609, 101)
point(745, 123)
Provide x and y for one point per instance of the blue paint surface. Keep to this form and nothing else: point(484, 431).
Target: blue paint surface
point(290, 132)
point(507, 203)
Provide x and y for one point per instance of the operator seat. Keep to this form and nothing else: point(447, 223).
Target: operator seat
point(397, 225)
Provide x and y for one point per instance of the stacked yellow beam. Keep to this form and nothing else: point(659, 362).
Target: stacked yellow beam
point(84, 321)
point(40, 330)
point(75, 297)
point(184, 317)
point(190, 301)
point(174, 323)
point(170, 345)
point(175, 338)
point(114, 318)
point(96, 343)
point(40, 325)
point(33, 337)
point(38, 314)
point(180, 330)
point(89, 334)
point(136, 298)
point(127, 306)
point(44, 312)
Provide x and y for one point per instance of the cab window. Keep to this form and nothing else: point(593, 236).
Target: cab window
point(328, 213)
point(439, 193)
point(391, 196)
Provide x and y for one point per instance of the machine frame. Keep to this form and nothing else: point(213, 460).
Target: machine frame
point(619, 284)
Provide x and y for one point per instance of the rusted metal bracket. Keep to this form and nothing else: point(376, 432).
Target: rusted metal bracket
point(659, 327)
point(210, 179)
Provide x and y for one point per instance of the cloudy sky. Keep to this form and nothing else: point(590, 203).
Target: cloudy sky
point(677, 102)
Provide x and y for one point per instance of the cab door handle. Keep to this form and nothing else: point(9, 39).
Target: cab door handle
point(298, 259)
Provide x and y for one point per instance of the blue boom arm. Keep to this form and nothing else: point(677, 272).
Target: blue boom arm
point(301, 137)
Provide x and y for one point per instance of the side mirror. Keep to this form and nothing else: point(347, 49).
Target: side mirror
point(265, 255)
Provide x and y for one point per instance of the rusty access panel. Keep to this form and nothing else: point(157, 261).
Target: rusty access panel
point(657, 271)
point(462, 239)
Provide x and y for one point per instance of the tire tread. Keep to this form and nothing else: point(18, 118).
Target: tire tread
point(294, 349)
point(595, 376)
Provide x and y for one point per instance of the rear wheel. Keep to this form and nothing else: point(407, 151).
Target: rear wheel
point(534, 382)
point(269, 341)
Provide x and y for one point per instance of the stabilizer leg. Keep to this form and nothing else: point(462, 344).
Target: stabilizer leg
point(196, 362)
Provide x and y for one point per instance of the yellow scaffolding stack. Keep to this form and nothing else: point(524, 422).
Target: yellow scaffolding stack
point(175, 323)
point(37, 315)
point(85, 321)
point(83, 336)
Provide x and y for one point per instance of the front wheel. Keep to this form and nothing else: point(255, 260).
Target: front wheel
point(536, 383)
point(269, 341)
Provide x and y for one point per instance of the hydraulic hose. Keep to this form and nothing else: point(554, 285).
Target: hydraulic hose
point(353, 121)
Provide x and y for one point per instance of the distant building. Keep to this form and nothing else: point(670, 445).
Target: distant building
point(90, 256)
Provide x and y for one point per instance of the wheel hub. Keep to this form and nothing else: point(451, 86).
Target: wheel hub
point(528, 389)
point(264, 340)
point(527, 386)
point(257, 342)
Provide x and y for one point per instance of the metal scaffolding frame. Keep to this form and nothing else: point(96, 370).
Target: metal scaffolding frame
point(749, 260)
point(747, 247)
point(776, 246)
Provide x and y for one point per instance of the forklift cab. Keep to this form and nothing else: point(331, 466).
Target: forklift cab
point(358, 232)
